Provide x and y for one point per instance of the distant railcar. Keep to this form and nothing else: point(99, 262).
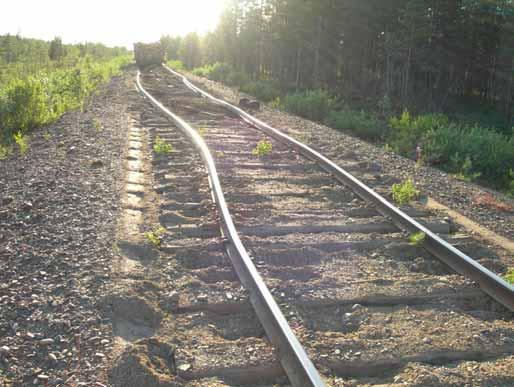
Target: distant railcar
point(149, 54)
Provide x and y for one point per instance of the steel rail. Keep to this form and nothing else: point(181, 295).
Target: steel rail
point(297, 365)
point(490, 283)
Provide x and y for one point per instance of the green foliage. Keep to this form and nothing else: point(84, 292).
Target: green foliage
point(22, 141)
point(509, 277)
point(97, 125)
point(404, 193)
point(47, 136)
point(263, 90)
point(161, 146)
point(176, 65)
point(417, 239)
point(470, 152)
point(360, 123)
point(35, 100)
point(407, 131)
point(154, 237)
point(263, 148)
point(5, 151)
point(312, 104)
point(218, 72)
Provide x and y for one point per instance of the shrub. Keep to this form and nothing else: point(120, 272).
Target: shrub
point(237, 78)
point(22, 142)
point(509, 277)
point(176, 65)
point(161, 146)
point(404, 193)
point(263, 148)
point(474, 152)
point(407, 132)
point(417, 239)
point(219, 72)
point(263, 90)
point(360, 123)
point(39, 99)
point(313, 104)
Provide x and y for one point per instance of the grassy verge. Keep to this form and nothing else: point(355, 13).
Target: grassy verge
point(40, 98)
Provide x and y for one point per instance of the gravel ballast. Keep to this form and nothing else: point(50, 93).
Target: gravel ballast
point(58, 214)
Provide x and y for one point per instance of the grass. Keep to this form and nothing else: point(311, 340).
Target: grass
point(154, 237)
point(161, 146)
point(360, 123)
point(404, 193)
point(509, 277)
point(5, 151)
point(47, 136)
point(97, 125)
point(312, 104)
point(30, 101)
point(417, 239)
point(176, 65)
point(263, 148)
point(22, 141)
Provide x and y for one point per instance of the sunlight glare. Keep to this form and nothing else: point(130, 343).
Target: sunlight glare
point(116, 22)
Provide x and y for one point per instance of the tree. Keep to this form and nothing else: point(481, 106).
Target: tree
point(56, 51)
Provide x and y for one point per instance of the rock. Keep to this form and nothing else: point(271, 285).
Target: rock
point(5, 350)
point(7, 200)
point(27, 206)
point(184, 367)
point(99, 355)
point(52, 357)
point(46, 341)
point(97, 164)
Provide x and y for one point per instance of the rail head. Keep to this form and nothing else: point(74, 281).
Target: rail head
point(297, 365)
point(492, 284)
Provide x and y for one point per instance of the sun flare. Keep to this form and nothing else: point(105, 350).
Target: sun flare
point(110, 22)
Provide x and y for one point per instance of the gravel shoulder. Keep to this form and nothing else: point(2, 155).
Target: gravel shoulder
point(59, 205)
point(478, 203)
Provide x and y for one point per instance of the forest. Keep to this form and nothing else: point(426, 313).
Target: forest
point(40, 80)
point(435, 74)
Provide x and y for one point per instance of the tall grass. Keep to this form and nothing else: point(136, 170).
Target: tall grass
point(312, 104)
point(360, 123)
point(38, 99)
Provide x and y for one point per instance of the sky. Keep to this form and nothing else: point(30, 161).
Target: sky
point(112, 22)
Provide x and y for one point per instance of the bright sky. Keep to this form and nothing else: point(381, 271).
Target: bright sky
point(113, 22)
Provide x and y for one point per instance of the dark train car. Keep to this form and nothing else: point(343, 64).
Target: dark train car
point(149, 54)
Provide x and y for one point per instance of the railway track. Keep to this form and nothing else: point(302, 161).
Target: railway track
point(367, 306)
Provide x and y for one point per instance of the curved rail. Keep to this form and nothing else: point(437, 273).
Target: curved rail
point(490, 283)
point(296, 363)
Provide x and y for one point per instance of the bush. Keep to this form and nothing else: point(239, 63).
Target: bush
point(407, 132)
point(176, 65)
point(263, 90)
point(313, 104)
point(472, 151)
point(36, 100)
point(237, 78)
point(360, 123)
point(404, 193)
point(468, 151)
point(219, 72)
